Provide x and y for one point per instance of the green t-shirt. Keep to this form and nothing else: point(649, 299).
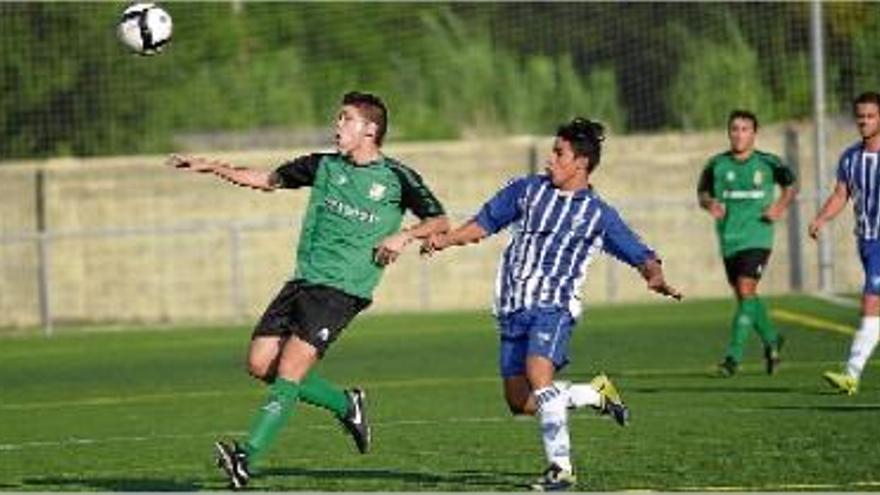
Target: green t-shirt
point(746, 189)
point(351, 209)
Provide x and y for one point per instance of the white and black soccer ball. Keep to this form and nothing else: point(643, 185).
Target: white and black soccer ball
point(145, 28)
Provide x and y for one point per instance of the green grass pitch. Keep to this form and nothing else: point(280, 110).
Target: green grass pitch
point(139, 410)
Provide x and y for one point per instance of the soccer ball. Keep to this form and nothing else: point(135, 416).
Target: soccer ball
point(145, 28)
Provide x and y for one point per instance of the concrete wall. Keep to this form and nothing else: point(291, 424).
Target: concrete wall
point(130, 240)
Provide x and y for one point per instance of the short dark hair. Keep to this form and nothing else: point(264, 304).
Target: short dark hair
point(372, 108)
point(867, 97)
point(745, 115)
point(586, 138)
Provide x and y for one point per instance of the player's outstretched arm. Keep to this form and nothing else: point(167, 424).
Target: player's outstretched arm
point(465, 234)
point(390, 248)
point(240, 176)
point(652, 272)
point(833, 205)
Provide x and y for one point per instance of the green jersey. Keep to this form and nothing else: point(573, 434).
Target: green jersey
point(746, 189)
point(352, 208)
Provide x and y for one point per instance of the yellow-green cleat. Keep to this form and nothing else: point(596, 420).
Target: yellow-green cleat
point(612, 404)
point(843, 383)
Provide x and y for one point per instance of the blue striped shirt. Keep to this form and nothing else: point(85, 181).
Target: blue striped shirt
point(554, 238)
point(858, 170)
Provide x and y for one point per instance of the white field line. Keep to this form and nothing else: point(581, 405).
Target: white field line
point(772, 487)
point(845, 302)
point(225, 434)
point(707, 371)
point(812, 322)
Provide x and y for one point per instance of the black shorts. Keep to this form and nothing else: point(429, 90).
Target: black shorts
point(316, 314)
point(749, 263)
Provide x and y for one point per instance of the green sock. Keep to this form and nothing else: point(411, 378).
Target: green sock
point(319, 392)
point(271, 417)
point(740, 328)
point(763, 324)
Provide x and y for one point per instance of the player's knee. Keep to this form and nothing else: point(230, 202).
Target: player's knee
point(260, 370)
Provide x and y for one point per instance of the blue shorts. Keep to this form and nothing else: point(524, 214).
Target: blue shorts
point(534, 332)
point(869, 252)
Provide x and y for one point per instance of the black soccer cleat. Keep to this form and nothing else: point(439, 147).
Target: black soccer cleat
point(355, 420)
point(554, 479)
point(771, 355)
point(232, 459)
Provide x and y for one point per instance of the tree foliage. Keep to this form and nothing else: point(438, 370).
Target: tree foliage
point(447, 70)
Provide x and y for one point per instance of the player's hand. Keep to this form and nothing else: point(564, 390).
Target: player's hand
point(390, 248)
point(660, 286)
point(772, 214)
point(194, 163)
point(653, 274)
point(433, 244)
point(717, 210)
point(815, 227)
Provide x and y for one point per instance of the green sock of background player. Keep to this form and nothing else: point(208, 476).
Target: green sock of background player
point(271, 418)
point(741, 327)
point(763, 324)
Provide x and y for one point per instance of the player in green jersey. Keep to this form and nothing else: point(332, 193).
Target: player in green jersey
point(737, 188)
point(350, 232)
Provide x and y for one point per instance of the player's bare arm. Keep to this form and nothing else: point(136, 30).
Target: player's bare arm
point(390, 248)
point(465, 234)
point(833, 205)
point(710, 204)
point(652, 272)
point(775, 211)
point(240, 176)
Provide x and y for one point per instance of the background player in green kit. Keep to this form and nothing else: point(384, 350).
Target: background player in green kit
point(350, 231)
point(737, 188)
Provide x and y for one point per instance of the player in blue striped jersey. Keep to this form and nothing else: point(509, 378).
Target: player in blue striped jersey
point(558, 224)
point(858, 178)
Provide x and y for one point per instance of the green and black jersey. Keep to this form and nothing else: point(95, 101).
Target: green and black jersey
point(351, 209)
point(746, 189)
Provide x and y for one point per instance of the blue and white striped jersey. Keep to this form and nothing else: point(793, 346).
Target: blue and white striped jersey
point(858, 170)
point(554, 237)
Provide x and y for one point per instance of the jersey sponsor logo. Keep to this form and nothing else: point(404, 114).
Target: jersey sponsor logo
point(377, 191)
point(740, 194)
point(730, 177)
point(348, 211)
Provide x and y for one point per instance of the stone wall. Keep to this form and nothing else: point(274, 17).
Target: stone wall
point(128, 239)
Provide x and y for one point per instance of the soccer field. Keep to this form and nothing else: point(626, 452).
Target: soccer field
point(139, 410)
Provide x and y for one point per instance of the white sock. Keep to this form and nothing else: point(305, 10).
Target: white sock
point(863, 344)
point(579, 394)
point(553, 418)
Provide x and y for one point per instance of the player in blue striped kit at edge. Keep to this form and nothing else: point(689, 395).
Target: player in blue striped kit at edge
point(858, 178)
point(557, 224)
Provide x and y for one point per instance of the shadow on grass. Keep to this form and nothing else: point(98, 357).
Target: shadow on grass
point(465, 478)
point(460, 478)
point(114, 484)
